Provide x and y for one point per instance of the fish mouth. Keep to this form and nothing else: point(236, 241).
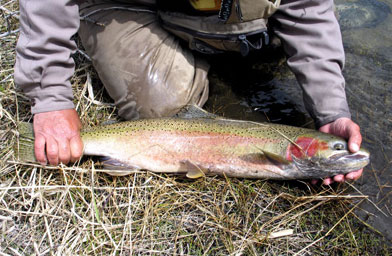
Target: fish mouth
point(350, 161)
point(342, 163)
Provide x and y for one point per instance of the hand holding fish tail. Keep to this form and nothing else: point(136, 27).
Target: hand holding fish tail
point(346, 128)
point(57, 137)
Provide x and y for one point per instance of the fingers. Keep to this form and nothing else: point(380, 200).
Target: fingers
point(339, 178)
point(48, 149)
point(52, 150)
point(354, 175)
point(64, 151)
point(76, 146)
point(39, 149)
point(327, 181)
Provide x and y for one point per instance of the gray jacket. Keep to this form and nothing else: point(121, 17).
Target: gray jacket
point(313, 43)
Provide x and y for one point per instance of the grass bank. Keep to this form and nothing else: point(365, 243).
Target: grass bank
point(80, 210)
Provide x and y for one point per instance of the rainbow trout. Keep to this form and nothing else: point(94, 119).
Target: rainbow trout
point(197, 143)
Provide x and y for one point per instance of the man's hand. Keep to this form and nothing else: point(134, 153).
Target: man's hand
point(57, 137)
point(346, 128)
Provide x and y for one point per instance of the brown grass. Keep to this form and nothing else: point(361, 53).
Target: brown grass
point(80, 210)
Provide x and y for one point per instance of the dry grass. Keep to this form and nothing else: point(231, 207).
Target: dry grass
point(80, 210)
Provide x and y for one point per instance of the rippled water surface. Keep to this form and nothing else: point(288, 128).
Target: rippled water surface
point(255, 90)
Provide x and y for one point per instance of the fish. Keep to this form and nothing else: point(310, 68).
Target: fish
point(197, 143)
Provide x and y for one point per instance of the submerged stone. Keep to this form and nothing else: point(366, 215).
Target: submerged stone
point(361, 13)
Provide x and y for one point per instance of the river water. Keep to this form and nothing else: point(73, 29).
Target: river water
point(267, 91)
point(368, 74)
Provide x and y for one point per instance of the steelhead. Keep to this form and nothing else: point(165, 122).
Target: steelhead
point(196, 143)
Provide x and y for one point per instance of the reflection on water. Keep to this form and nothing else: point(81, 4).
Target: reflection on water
point(248, 89)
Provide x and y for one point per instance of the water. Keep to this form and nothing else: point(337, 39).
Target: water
point(265, 90)
point(369, 91)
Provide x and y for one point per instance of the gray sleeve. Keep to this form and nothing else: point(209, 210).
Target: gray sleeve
point(44, 65)
point(312, 40)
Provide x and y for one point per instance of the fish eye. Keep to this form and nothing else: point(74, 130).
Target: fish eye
point(339, 146)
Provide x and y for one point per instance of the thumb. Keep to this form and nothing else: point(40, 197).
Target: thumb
point(355, 139)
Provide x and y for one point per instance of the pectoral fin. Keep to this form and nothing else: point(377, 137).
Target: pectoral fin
point(274, 158)
point(115, 167)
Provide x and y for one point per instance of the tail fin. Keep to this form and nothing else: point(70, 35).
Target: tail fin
point(24, 147)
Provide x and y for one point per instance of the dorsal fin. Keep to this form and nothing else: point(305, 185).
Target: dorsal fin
point(193, 111)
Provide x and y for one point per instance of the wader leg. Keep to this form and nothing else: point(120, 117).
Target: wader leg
point(143, 67)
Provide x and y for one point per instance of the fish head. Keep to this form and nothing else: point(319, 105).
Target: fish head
point(324, 155)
